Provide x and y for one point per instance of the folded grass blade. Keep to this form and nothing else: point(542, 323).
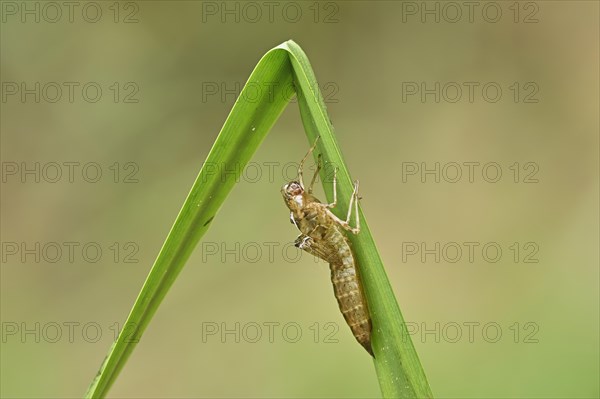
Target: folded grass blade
point(396, 362)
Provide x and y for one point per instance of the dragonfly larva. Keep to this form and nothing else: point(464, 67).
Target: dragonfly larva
point(322, 236)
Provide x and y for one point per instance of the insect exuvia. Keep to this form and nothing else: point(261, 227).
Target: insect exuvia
point(322, 236)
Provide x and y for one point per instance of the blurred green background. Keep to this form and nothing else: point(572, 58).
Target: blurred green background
point(168, 73)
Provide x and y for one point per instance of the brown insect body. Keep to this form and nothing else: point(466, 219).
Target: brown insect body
point(322, 236)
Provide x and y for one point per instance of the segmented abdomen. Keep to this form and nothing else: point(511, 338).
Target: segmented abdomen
point(349, 292)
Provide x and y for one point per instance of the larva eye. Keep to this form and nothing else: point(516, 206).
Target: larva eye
point(294, 188)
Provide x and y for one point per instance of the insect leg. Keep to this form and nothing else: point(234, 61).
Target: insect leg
point(332, 205)
point(312, 182)
point(354, 199)
point(345, 223)
point(301, 166)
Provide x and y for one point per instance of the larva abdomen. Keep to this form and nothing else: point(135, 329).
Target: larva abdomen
point(352, 303)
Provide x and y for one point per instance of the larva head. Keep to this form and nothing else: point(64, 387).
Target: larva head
point(293, 195)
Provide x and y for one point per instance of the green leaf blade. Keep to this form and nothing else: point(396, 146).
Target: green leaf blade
point(398, 367)
point(246, 126)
